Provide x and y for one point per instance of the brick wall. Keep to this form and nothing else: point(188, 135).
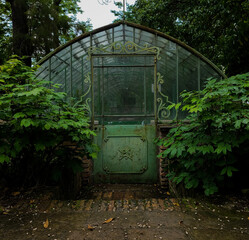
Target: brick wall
point(87, 171)
point(163, 163)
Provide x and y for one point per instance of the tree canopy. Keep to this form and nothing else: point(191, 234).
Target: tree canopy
point(34, 28)
point(219, 29)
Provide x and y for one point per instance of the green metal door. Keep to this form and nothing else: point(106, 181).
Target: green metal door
point(124, 115)
point(127, 154)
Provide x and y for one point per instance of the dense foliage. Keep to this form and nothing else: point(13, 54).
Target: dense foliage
point(214, 144)
point(34, 28)
point(219, 29)
point(36, 126)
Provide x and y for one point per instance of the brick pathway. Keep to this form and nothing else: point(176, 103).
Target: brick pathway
point(123, 191)
point(168, 204)
point(132, 211)
point(119, 197)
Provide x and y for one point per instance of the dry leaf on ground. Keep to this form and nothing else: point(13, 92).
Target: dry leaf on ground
point(108, 220)
point(90, 227)
point(45, 224)
point(15, 194)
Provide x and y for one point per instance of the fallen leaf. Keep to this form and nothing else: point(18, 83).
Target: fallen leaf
point(15, 194)
point(90, 227)
point(45, 224)
point(168, 193)
point(32, 201)
point(248, 218)
point(108, 220)
point(5, 211)
point(176, 204)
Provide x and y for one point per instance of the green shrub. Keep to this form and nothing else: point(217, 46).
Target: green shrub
point(35, 124)
point(210, 147)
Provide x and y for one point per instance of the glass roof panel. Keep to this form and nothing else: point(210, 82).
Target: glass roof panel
point(178, 67)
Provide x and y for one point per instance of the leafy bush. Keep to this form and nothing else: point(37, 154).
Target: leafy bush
point(36, 125)
point(209, 148)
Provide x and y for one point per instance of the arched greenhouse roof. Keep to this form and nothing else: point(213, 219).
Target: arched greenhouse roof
point(111, 27)
point(179, 67)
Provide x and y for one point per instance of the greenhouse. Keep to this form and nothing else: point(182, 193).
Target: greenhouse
point(125, 75)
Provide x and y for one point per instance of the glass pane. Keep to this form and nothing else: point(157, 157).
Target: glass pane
point(124, 90)
point(207, 72)
point(125, 60)
point(42, 71)
point(187, 74)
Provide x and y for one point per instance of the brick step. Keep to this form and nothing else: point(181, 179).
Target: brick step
point(123, 191)
point(168, 204)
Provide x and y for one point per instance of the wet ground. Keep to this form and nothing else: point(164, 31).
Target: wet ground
point(122, 212)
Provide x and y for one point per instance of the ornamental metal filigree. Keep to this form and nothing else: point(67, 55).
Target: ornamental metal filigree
point(125, 153)
point(163, 112)
point(124, 48)
point(104, 2)
point(85, 103)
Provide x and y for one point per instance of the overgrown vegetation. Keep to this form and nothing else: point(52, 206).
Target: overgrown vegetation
point(36, 127)
point(214, 144)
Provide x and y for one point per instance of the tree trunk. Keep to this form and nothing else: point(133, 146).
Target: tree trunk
point(56, 31)
point(22, 45)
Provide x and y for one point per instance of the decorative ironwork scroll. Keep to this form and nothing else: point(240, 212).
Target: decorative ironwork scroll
point(163, 112)
point(104, 2)
point(85, 103)
point(124, 48)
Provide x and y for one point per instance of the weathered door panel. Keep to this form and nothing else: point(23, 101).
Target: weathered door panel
point(127, 154)
point(124, 101)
